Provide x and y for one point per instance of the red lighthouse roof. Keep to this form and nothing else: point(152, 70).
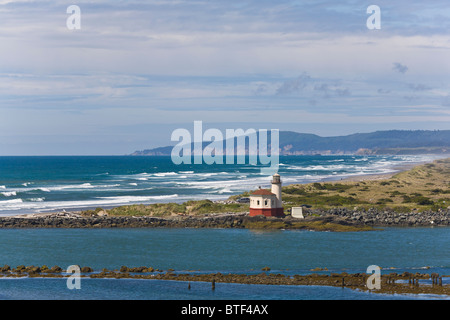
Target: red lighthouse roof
point(262, 192)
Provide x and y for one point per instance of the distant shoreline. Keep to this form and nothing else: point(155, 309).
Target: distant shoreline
point(377, 176)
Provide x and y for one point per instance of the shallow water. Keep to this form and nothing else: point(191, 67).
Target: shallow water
point(130, 289)
point(215, 250)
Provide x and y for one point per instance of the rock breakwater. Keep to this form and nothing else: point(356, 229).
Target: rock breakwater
point(338, 219)
point(377, 217)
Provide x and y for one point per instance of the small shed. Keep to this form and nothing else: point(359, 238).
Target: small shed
point(297, 212)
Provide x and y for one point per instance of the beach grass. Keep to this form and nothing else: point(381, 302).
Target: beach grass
point(424, 187)
point(191, 208)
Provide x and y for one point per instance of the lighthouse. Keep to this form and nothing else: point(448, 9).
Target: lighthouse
point(267, 202)
point(276, 189)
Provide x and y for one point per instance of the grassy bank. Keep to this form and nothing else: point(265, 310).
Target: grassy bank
point(189, 208)
point(424, 187)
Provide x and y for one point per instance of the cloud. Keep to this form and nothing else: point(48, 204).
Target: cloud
point(446, 101)
point(323, 88)
point(178, 60)
point(329, 90)
point(400, 67)
point(419, 87)
point(294, 85)
point(383, 91)
point(343, 92)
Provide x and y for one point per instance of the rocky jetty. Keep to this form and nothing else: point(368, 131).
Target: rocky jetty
point(383, 218)
point(338, 219)
point(75, 220)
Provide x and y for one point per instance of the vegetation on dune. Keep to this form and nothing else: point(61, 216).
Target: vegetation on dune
point(198, 207)
point(425, 187)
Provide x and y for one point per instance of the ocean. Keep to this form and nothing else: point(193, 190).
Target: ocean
point(41, 184)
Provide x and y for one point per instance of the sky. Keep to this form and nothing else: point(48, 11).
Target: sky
point(137, 70)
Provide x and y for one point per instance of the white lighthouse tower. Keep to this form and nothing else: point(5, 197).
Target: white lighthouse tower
point(276, 190)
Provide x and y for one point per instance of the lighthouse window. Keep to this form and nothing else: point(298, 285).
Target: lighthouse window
point(265, 202)
point(257, 202)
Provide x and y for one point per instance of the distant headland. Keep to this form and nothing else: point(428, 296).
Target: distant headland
point(391, 142)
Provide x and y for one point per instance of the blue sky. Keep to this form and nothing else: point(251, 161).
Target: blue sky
point(136, 70)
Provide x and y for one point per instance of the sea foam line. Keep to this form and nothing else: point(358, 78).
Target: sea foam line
point(9, 193)
point(19, 204)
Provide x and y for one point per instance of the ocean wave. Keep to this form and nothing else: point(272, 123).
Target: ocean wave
point(10, 201)
point(76, 186)
point(165, 174)
point(83, 186)
point(40, 205)
point(9, 193)
point(138, 198)
point(36, 199)
point(309, 168)
point(235, 184)
point(72, 186)
point(225, 190)
point(2, 187)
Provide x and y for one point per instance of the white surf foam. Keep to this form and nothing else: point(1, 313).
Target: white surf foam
point(9, 194)
point(36, 199)
point(121, 199)
point(13, 201)
point(39, 205)
point(165, 174)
